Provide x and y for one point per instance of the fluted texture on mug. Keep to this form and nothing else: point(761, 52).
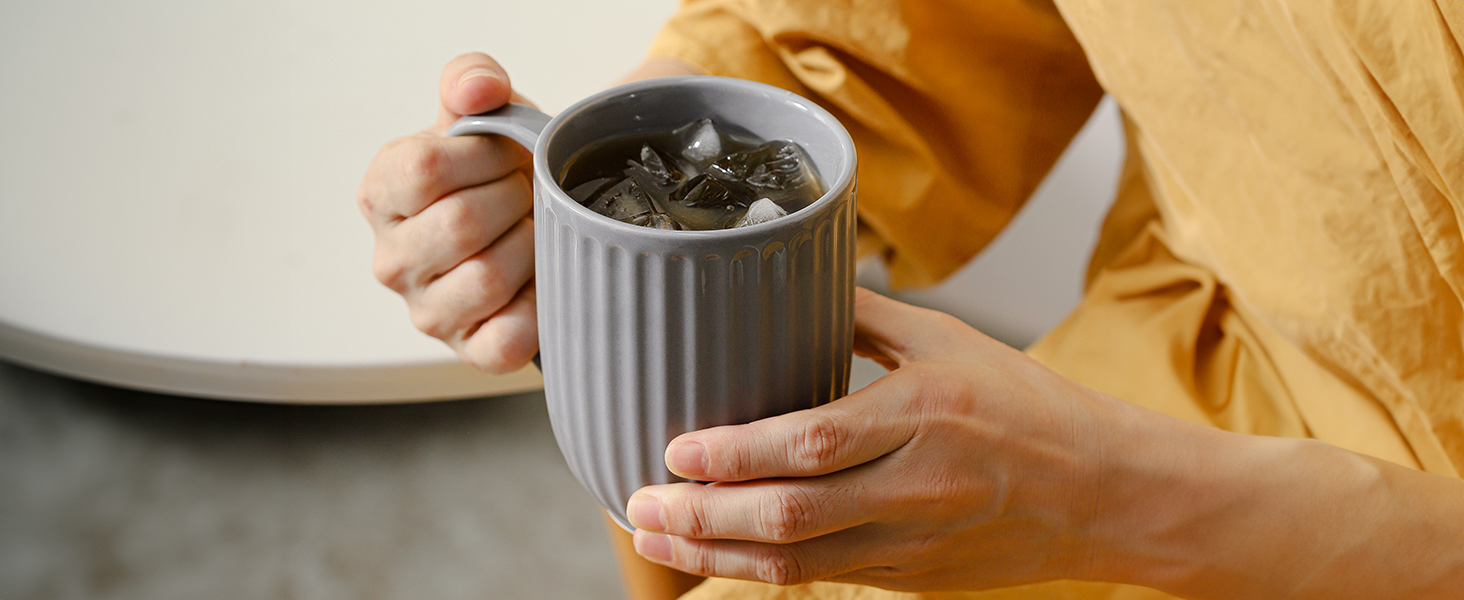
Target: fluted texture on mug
point(639, 346)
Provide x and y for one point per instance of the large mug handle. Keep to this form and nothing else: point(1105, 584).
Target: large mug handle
point(519, 122)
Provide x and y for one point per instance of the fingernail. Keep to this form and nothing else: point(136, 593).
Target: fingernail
point(655, 546)
point(687, 459)
point(476, 73)
point(644, 511)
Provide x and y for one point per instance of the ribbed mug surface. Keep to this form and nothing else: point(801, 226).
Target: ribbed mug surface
point(643, 341)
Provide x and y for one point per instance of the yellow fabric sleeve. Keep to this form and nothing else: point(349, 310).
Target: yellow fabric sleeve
point(958, 109)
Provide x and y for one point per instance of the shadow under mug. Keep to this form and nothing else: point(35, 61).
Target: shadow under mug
point(645, 334)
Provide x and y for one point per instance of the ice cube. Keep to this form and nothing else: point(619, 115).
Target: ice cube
point(658, 221)
point(656, 167)
point(657, 177)
point(625, 201)
point(777, 170)
point(699, 141)
point(706, 191)
point(762, 211)
point(583, 192)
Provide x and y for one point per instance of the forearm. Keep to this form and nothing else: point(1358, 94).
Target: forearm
point(1203, 513)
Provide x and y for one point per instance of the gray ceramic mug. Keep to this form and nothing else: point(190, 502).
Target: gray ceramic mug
point(645, 334)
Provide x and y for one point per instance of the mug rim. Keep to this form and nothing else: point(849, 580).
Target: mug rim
point(837, 187)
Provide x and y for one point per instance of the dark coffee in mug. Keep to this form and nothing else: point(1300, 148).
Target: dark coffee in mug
point(697, 176)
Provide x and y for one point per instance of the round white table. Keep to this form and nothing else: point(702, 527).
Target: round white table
point(178, 183)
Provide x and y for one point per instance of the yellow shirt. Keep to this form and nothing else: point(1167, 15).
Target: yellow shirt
point(1284, 256)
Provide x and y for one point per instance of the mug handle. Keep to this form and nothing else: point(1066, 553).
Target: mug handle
point(518, 122)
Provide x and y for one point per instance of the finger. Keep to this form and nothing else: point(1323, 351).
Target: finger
point(413, 172)
point(865, 349)
point(461, 224)
point(507, 340)
point(768, 510)
point(895, 333)
point(451, 306)
point(844, 433)
point(779, 564)
point(471, 83)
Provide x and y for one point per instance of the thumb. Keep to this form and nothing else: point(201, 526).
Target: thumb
point(471, 83)
point(894, 333)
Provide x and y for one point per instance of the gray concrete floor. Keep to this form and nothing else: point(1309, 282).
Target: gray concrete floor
point(116, 494)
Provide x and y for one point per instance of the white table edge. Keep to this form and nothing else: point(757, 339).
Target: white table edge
point(249, 381)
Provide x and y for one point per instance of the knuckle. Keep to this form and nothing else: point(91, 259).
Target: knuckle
point(459, 225)
point(490, 281)
point(818, 446)
point(701, 561)
point(736, 460)
point(454, 214)
point(424, 163)
point(389, 270)
point(501, 354)
point(786, 514)
point(780, 566)
point(429, 322)
point(364, 201)
point(369, 195)
point(698, 510)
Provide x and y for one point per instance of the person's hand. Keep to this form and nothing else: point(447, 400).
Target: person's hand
point(969, 466)
point(453, 231)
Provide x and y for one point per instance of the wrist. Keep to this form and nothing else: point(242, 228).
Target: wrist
point(1203, 513)
point(1192, 510)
